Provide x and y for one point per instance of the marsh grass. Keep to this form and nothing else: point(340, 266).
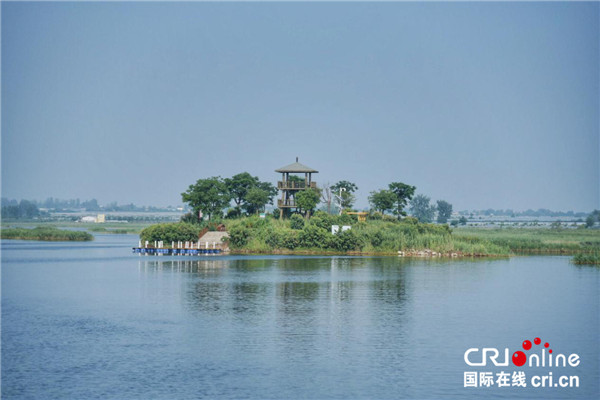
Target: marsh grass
point(587, 258)
point(45, 233)
point(535, 241)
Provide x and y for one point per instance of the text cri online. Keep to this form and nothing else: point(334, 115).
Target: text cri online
point(475, 357)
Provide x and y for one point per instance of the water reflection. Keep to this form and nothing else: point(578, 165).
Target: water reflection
point(208, 267)
point(297, 287)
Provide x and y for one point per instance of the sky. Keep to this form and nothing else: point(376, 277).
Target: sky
point(484, 105)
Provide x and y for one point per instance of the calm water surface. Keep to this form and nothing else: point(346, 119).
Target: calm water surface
point(92, 320)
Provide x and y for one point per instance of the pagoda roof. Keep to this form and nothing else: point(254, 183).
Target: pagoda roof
point(296, 167)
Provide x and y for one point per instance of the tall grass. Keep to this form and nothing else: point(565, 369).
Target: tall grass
point(587, 259)
point(546, 241)
point(374, 237)
point(45, 233)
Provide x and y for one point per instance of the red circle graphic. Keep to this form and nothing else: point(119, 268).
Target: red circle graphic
point(519, 358)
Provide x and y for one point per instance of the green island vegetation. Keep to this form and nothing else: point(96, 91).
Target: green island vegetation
point(47, 233)
point(587, 259)
point(384, 230)
point(379, 235)
point(102, 229)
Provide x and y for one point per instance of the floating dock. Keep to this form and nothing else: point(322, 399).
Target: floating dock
point(180, 249)
point(151, 251)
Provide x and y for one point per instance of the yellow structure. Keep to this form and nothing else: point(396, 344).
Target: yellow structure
point(362, 215)
point(100, 219)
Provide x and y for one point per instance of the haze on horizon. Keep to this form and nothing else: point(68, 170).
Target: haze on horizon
point(485, 105)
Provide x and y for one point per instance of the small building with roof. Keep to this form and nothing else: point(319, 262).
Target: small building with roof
point(291, 185)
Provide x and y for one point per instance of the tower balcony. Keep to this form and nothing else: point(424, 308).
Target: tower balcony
point(290, 203)
point(291, 185)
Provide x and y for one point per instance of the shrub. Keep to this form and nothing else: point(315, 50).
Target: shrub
point(273, 239)
point(319, 222)
point(344, 241)
point(296, 222)
point(375, 215)
point(238, 236)
point(389, 218)
point(312, 236)
point(173, 232)
point(376, 238)
point(289, 240)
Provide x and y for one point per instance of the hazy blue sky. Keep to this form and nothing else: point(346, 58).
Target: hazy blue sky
point(483, 105)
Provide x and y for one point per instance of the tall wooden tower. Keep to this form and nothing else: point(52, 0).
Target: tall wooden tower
point(289, 187)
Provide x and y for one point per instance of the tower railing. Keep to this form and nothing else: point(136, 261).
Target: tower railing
point(288, 203)
point(292, 185)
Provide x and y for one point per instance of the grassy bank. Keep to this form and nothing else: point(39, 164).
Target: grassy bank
point(295, 236)
point(44, 233)
point(535, 241)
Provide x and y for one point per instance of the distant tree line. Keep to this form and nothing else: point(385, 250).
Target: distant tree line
point(23, 210)
point(399, 197)
point(60, 205)
point(541, 212)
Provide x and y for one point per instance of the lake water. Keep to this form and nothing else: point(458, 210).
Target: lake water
point(92, 320)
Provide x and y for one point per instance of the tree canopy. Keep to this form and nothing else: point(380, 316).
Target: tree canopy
point(238, 186)
point(382, 200)
point(346, 185)
point(421, 208)
point(404, 194)
point(212, 195)
point(255, 200)
point(345, 191)
point(209, 195)
point(444, 210)
point(307, 200)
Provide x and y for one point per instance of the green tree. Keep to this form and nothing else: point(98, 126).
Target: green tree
point(421, 209)
point(307, 200)
point(444, 210)
point(382, 200)
point(207, 195)
point(269, 188)
point(591, 219)
point(347, 186)
point(462, 220)
point(255, 200)
point(404, 194)
point(345, 190)
point(239, 185)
